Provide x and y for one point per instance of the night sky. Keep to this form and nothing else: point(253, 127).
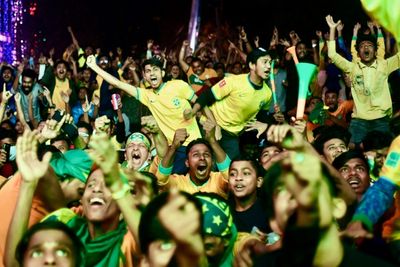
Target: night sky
point(113, 23)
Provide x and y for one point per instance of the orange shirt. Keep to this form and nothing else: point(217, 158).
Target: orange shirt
point(197, 82)
point(8, 196)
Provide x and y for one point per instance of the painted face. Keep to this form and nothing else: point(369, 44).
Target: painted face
point(61, 71)
point(367, 52)
point(137, 154)
point(243, 180)
point(153, 75)
point(331, 100)
point(267, 154)
point(333, 148)
point(49, 248)
point(356, 174)
point(7, 75)
point(263, 67)
point(197, 67)
point(199, 162)
point(97, 202)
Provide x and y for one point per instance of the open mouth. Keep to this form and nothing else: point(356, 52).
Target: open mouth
point(239, 187)
point(136, 156)
point(97, 202)
point(354, 182)
point(202, 169)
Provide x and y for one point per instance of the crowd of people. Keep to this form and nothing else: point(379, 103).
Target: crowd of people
point(200, 158)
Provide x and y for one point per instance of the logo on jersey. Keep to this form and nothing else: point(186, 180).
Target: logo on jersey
point(176, 102)
point(222, 83)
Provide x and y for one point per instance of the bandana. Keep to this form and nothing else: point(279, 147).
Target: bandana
point(218, 221)
point(138, 137)
point(73, 163)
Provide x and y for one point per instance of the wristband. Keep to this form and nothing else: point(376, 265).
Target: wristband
point(122, 192)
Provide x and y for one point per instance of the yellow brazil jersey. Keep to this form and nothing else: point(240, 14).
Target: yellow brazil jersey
point(238, 102)
point(217, 183)
point(197, 82)
point(167, 105)
point(61, 86)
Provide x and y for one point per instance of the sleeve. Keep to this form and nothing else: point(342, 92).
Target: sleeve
point(337, 59)
point(81, 58)
point(381, 47)
point(163, 174)
point(375, 202)
point(223, 88)
point(353, 50)
point(185, 90)
point(206, 98)
point(393, 62)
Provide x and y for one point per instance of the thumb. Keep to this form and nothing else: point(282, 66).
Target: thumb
point(47, 157)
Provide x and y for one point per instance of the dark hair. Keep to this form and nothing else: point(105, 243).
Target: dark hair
point(61, 61)
point(377, 140)
point(366, 38)
point(255, 54)
point(196, 142)
point(77, 247)
point(6, 67)
point(264, 143)
point(29, 73)
point(154, 181)
point(196, 59)
point(62, 137)
point(87, 126)
point(329, 133)
point(260, 172)
point(150, 227)
point(153, 62)
point(12, 134)
point(341, 160)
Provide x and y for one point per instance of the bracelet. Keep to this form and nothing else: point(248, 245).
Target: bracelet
point(122, 192)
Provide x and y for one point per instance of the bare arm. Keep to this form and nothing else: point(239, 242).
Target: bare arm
point(181, 59)
point(74, 40)
point(129, 89)
point(32, 170)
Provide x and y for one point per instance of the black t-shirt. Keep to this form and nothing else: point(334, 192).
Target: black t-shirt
point(254, 216)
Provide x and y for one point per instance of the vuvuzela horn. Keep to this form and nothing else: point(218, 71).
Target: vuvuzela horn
point(292, 51)
point(306, 72)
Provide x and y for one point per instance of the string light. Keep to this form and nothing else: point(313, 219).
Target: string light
point(11, 15)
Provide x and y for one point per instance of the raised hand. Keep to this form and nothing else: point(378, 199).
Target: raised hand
point(260, 127)
point(285, 135)
point(96, 100)
point(180, 137)
point(30, 167)
point(149, 123)
point(331, 23)
point(185, 43)
point(356, 28)
point(150, 44)
point(86, 106)
point(5, 95)
point(52, 128)
point(104, 154)
point(91, 61)
point(209, 128)
point(284, 42)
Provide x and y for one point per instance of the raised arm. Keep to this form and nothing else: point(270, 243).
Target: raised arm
point(160, 141)
point(31, 170)
point(105, 156)
point(74, 40)
point(181, 59)
point(5, 96)
point(127, 88)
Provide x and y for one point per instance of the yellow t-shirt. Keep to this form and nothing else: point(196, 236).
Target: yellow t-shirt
point(167, 105)
point(217, 183)
point(238, 102)
point(369, 84)
point(61, 86)
point(197, 82)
